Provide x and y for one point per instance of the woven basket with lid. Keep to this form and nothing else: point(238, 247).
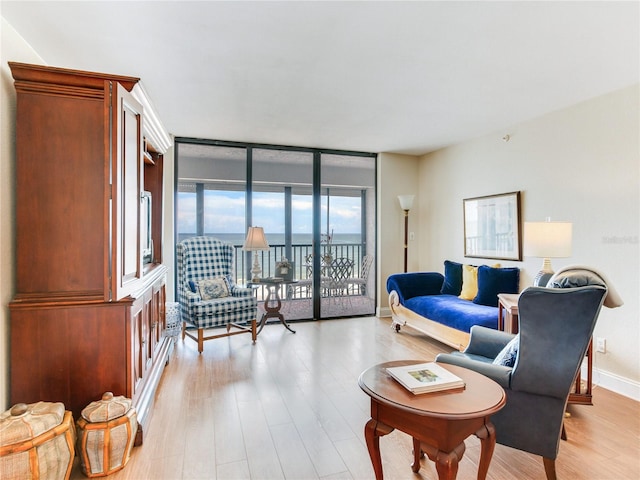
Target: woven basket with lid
point(106, 433)
point(37, 442)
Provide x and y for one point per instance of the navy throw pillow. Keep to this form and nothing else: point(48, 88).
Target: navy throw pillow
point(492, 281)
point(508, 354)
point(452, 284)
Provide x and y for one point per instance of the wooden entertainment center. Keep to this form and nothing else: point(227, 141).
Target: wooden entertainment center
point(88, 315)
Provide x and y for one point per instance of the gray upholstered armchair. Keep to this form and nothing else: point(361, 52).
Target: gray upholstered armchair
point(538, 366)
point(207, 293)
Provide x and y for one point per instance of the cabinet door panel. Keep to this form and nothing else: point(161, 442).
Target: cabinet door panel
point(59, 216)
point(139, 341)
point(127, 189)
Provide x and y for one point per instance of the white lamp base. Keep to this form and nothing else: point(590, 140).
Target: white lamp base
point(544, 275)
point(256, 270)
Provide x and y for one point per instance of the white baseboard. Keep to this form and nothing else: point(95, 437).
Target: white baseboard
point(382, 312)
point(615, 383)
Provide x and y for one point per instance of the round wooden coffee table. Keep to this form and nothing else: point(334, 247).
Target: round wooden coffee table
point(439, 422)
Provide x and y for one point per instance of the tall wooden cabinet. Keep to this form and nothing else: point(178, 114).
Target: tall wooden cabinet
point(88, 313)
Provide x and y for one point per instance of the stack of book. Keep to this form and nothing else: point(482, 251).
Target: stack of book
point(425, 377)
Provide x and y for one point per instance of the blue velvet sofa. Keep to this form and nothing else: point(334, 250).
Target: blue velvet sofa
point(431, 302)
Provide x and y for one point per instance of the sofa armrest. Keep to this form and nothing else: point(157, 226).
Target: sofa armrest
point(487, 342)
point(498, 373)
point(414, 284)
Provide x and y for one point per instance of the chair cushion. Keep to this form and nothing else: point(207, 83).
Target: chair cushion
point(508, 354)
point(453, 312)
point(492, 281)
point(221, 311)
point(452, 284)
point(211, 288)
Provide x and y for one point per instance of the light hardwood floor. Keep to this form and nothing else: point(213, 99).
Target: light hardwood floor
point(289, 407)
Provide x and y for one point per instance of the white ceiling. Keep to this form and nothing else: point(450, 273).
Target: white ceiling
point(405, 77)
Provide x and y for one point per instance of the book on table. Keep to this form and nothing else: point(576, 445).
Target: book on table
point(425, 377)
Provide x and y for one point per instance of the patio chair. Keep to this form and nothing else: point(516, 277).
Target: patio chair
point(207, 293)
point(339, 272)
point(360, 283)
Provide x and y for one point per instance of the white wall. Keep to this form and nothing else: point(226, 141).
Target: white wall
point(12, 48)
point(580, 165)
point(397, 175)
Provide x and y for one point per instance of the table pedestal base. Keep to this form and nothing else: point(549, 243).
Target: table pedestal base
point(430, 438)
point(273, 311)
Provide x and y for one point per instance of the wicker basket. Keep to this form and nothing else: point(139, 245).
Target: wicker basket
point(106, 433)
point(36, 442)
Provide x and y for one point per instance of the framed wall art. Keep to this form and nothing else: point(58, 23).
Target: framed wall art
point(492, 226)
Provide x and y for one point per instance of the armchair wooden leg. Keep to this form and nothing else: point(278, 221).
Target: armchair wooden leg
point(549, 468)
point(254, 333)
point(200, 340)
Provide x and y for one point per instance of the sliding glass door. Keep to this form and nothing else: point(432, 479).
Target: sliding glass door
point(317, 210)
point(347, 226)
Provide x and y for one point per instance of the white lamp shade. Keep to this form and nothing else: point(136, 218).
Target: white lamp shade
point(255, 240)
point(406, 201)
point(547, 239)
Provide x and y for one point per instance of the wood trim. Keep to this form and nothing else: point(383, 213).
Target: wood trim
point(73, 78)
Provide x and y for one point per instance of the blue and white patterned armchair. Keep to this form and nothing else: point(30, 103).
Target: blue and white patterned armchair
point(205, 269)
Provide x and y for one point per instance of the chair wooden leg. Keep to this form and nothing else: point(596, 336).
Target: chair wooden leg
point(200, 340)
point(184, 329)
point(254, 334)
point(549, 468)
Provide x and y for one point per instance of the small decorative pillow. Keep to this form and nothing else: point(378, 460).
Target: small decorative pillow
point(508, 354)
point(452, 284)
point(469, 282)
point(211, 288)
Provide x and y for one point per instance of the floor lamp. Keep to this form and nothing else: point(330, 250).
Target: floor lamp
point(406, 202)
point(547, 240)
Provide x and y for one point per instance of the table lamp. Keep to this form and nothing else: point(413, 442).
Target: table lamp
point(255, 242)
point(547, 240)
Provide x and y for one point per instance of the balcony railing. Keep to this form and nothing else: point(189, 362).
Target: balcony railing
point(299, 255)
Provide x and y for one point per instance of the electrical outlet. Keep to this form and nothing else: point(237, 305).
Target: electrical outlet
point(412, 236)
point(601, 345)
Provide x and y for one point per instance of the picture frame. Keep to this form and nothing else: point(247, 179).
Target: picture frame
point(492, 226)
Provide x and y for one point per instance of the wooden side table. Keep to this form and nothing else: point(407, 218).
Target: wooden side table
point(508, 312)
point(439, 422)
point(272, 306)
point(508, 322)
